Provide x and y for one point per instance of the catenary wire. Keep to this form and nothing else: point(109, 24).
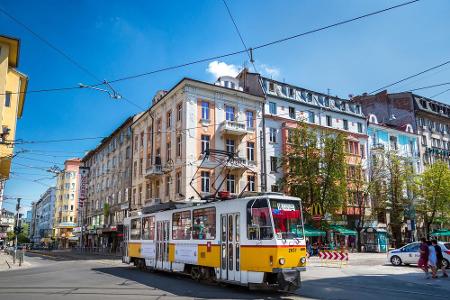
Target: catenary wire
point(235, 52)
point(411, 76)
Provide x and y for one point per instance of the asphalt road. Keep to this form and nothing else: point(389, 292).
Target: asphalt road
point(73, 277)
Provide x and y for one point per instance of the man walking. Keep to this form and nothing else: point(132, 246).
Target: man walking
point(439, 257)
point(423, 259)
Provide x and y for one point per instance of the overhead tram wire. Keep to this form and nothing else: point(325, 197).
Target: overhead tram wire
point(232, 53)
point(429, 86)
point(411, 76)
point(62, 53)
point(438, 94)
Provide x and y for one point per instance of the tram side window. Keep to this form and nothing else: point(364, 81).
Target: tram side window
point(148, 228)
point(259, 225)
point(204, 227)
point(181, 225)
point(135, 230)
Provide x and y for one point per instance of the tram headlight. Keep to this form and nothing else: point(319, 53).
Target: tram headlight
point(282, 261)
point(303, 260)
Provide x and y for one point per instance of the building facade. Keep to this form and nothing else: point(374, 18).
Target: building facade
point(192, 120)
point(109, 185)
point(13, 85)
point(43, 212)
point(7, 219)
point(429, 119)
point(286, 105)
point(66, 205)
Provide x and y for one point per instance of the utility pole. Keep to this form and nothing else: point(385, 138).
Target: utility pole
point(17, 228)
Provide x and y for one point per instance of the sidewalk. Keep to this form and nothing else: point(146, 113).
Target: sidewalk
point(6, 263)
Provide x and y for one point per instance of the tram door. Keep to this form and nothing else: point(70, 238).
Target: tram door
point(230, 245)
point(162, 244)
point(124, 249)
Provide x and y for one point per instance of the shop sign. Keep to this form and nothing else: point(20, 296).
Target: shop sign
point(76, 230)
point(113, 228)
point(82, 194)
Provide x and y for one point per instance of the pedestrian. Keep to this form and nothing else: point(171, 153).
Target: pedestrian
point(432, 259)
point(423, 259)
point(440, 258)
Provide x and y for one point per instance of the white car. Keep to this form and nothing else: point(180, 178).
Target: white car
point(410, 253)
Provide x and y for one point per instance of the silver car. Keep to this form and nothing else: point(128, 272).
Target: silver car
point(410, 253)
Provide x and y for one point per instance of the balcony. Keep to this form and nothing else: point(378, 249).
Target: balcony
point(235, 128)
point(377, 146)
point(154, 170)
point(240, 163)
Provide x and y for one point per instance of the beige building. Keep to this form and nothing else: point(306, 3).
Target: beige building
point(171, 137)
point(66, 204)
point(109, 185)
point(13, 86)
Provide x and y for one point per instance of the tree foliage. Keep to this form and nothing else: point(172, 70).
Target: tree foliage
point(392, 188)
point(315, 168)
point(435, 193)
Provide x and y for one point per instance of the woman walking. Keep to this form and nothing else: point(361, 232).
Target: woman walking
point(439, 257)
point(432, 259)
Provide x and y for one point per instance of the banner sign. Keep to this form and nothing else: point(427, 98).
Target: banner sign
point(82, 194)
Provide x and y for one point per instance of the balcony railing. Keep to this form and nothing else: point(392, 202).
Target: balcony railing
point(235, 127)
point(154, 170)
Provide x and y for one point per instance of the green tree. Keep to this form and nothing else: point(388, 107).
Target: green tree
point(314, 168)
point(435, 194)
point(393, 189)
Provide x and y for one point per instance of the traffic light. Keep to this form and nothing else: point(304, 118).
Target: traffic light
point(18, 229)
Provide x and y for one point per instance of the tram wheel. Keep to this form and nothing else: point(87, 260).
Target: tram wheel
point(195, 273)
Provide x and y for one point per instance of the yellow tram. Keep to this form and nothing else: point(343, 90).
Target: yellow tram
point(255, 241)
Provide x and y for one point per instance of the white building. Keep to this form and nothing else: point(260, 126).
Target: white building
point(171, 137)
point(41, 226)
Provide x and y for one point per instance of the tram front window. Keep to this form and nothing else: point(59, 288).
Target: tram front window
point(287, 218)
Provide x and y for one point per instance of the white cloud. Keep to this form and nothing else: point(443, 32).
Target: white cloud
point(266, 70)
point(217, 69)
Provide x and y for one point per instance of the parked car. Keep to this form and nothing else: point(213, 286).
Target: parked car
point(410, 253)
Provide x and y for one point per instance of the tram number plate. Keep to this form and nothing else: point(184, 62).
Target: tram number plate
point(292, 250)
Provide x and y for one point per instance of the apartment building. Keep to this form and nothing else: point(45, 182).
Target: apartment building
point(286, 104)
point(109, 184)
point(184, 123)
point(43, 212)
point(7, 221)
point(429, 119)
point(13, 85)
point(66, 204)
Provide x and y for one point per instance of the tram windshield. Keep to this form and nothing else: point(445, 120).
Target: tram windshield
point(287, 218)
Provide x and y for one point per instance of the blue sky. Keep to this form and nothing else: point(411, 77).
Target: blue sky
point(118, 38)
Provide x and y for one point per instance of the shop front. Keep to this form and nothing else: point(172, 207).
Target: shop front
point(342, 238)
point(442, 235)
point(374, 239)
point(315, 238)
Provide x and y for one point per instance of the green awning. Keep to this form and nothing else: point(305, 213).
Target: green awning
point(311, 231)
point(342, 230)
point(441, 232)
